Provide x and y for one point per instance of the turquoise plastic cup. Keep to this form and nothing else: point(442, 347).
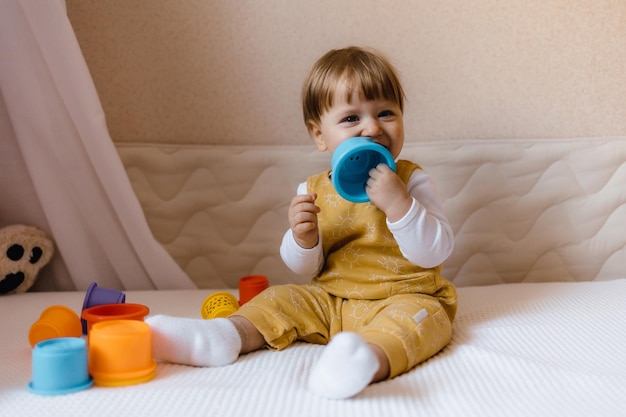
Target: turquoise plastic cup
point(351, 163)
point(59, 366)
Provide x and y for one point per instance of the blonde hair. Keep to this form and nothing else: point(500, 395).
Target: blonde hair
point(363, 70)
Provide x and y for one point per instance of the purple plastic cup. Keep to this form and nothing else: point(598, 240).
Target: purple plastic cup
point(97, 296)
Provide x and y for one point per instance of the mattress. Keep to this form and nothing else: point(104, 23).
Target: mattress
point(521, 210)
point(530, 349)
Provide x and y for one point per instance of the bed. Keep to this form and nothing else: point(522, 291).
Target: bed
point(539, 262)
point(535, 349)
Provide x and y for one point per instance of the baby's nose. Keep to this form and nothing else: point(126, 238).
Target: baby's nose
point(371, 129)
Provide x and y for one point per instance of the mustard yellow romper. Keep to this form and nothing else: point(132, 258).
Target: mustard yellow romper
point(365, 286)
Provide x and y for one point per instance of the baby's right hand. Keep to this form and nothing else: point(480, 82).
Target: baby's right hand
point(303, 220)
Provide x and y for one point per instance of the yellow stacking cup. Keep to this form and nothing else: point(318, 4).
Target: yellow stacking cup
point(219, 304)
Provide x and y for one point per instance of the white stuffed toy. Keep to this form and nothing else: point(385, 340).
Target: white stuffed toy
point(24, 250)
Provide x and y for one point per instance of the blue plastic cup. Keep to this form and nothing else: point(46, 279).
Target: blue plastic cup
point(351, 163)
point(60, 366)
point(96, 296)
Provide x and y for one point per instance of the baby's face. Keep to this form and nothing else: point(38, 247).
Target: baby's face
point(379, 120)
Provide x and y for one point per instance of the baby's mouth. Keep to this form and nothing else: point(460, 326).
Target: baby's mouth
point(384, 146)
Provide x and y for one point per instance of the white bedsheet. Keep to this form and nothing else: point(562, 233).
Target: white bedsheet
point(542, 349)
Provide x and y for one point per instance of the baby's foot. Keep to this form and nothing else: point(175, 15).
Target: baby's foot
point(345, 368)
point(196, 342)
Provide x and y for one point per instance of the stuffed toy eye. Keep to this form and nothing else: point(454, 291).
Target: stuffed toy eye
point(35, 255)
point(15, 252)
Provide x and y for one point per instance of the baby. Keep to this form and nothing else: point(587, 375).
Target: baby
point(372, 289)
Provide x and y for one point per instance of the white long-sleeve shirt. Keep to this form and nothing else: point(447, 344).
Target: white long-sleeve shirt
point(424, 235)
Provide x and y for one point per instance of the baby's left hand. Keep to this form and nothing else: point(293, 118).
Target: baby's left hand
point(387, 192)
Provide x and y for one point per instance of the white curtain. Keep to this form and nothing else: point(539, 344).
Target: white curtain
point(59, 168)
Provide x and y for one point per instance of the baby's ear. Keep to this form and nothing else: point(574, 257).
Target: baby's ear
point(316, 134)
point(311, 127)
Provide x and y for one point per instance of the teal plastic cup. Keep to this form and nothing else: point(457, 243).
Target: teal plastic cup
point(59, 366)
point(351, 163)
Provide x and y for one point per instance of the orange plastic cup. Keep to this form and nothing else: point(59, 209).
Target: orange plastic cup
point(55, 321)
point(219, 304)
point(120, 353)
point(251, 286)
point(105, 312)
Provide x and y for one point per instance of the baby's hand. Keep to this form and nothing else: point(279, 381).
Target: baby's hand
point(303, 220)
point(387, 192)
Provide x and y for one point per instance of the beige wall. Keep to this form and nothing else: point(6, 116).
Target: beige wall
point(229, 72)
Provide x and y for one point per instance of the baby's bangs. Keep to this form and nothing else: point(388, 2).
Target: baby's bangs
point(374, 80)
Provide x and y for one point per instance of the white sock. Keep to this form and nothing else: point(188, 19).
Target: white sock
point(345, 368)
point(196, 342)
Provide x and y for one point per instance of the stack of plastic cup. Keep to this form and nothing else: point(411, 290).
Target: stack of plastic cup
point(106, 312)
point(55, 321)
point(219, 304)
point(251, 286)
point(60, 367)
point(120, 353)
point(96, 296)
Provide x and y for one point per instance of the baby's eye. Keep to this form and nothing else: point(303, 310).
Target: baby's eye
point(385, 113)
point(351, 119)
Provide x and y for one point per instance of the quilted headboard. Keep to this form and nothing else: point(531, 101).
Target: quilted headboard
point(521, 210)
